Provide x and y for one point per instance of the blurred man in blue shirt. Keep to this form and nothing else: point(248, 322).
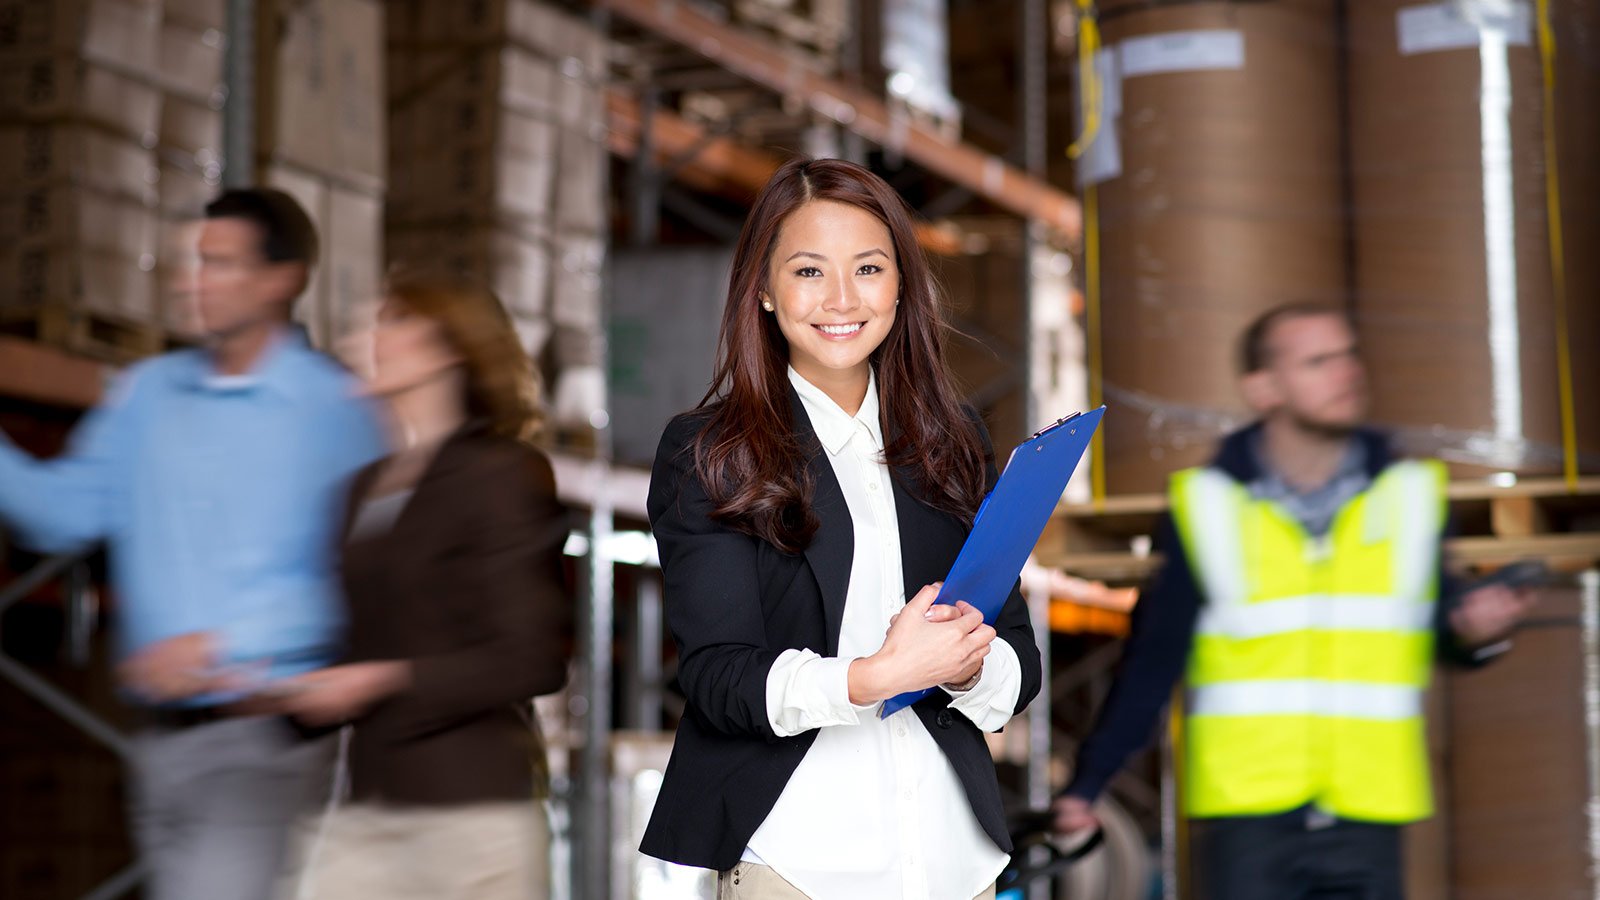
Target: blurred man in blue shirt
point(214, 475)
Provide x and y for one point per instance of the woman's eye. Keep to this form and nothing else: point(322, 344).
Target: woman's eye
point(809, 272)
point(869, 269)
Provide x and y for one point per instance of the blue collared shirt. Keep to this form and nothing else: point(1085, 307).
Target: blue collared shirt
point(218, 496)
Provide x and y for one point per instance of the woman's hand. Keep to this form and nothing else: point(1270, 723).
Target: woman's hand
point(340, 693)
point(925, 646)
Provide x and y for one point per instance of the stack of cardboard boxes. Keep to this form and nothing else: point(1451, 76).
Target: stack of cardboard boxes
point(321, 137)
point(111, 144)
point(80, 117)
point(499, 170)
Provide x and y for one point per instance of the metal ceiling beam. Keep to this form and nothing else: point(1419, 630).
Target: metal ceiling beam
point(769, 65)
point(719, 164)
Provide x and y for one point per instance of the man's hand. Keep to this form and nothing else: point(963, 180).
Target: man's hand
point(341, 693)
point(1073, 815)
point(1490, 613)
point(174, 669)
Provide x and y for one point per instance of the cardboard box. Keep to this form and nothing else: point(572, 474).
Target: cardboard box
point(35, 155)
point(191, 134)
point(39, 87)
point(354, 260)
point(575, 282)
point(185, 191)
point(124, 34)
point(322, 94)
point(581, 185)
point(513, 177)
point(191, 61)
point(197, 13)
point(32, 278)
point(514, 266)
point(69, 218)
point(537, 26)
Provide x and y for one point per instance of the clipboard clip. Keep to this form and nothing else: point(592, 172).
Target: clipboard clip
point(1054, 425)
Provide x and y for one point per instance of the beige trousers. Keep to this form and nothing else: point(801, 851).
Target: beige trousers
point(490, 851)
point(748, 881)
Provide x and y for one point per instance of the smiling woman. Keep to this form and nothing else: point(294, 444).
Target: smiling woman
point(829, 244)
point(830, 474)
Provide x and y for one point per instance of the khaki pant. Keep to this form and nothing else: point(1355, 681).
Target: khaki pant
point(748, 881)
point(490, 851)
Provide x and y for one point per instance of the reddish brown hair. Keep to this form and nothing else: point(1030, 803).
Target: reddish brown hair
point(501, 382)
point(747, 453)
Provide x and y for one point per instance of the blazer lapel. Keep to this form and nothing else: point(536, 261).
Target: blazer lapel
point(832, 549)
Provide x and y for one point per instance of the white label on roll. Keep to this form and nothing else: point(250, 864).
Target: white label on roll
point(1102, 158)
point(1462, 24)
point(1216, 49)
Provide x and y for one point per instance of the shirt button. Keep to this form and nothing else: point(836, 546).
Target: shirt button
point(872, 485)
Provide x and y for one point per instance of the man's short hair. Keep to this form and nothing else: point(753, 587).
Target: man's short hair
point(1255, 347)
point(287, 233)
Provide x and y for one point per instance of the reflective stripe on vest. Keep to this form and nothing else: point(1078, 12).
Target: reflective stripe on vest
point(1311, 654)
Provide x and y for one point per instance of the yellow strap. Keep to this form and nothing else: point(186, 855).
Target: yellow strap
point(1091, 91)
point(1088, 78)
point(1091, 303)
point(1558, 269)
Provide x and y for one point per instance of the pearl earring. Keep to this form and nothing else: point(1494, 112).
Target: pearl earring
point(767, 305)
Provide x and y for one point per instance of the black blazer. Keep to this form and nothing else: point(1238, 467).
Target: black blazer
point(734, 603)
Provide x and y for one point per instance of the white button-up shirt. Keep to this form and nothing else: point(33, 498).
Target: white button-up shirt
point(874, 810)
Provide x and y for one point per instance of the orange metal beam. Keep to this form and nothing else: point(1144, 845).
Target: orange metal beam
point(721, 164)
point(771, 66)
point(42, 374)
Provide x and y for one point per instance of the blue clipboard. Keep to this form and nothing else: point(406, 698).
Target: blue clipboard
point(1010, 521)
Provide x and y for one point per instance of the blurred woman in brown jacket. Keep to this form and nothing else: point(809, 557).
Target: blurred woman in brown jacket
point(459, 615)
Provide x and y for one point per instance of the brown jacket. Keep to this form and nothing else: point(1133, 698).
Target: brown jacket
point(468, 586)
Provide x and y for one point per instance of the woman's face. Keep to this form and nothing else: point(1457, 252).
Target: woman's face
point(834, 285)
point(408, 350)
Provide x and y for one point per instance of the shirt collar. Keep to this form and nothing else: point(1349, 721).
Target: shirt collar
point(274, 371)
point(1353, 467)
point(833, 425)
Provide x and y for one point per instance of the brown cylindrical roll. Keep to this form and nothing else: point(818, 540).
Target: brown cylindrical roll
point(1452, 276)
point(1228, 203)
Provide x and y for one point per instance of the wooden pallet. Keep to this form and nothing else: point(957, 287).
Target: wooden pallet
point(93, 334)
point(1495, 524)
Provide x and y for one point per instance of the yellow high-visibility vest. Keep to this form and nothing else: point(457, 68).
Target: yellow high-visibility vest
point(1311, 654)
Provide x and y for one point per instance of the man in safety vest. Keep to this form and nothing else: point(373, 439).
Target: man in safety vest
point(1301, 600)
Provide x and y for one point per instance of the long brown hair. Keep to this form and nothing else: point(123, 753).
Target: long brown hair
point(747, 454)
point(501, 382)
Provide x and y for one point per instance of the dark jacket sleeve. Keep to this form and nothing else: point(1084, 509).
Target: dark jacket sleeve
point(1448, 648)
point(1014, 625)
point(1153, 659)
point(711, 595)
point(522, 607)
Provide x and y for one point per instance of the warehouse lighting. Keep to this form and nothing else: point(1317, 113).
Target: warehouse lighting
point(626, 548)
